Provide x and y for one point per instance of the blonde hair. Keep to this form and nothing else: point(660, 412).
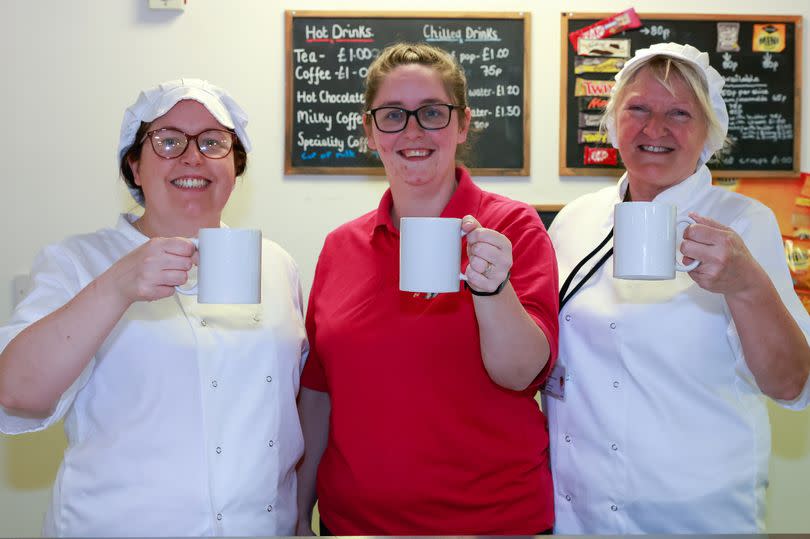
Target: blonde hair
point(663, 68)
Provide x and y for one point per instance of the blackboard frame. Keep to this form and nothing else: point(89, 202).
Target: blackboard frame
point(565, 170)
point(547, 212)
point(291, 15)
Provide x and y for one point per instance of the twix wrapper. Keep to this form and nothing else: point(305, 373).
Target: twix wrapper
point(617, 48)
point(587, 136)
point(614, 24)
point(601, 156)
point(589, 87)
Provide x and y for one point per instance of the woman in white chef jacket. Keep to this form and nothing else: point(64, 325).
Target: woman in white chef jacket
point(660, 426)
point(180, 417)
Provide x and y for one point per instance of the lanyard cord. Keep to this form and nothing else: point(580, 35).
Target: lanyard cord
point(563, 298)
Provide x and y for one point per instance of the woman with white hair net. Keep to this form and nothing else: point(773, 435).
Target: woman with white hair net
point(180, 417)
point(661, 426)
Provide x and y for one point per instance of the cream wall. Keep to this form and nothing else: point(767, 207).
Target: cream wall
point(70, 67)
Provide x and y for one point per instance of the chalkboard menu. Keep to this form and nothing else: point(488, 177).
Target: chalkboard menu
point(758, 55)
point(548, 212)
point(328, 54)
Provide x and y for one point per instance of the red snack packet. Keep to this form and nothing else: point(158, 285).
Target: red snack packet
point(619, 22)
point(592, 104)
point(601, 156)
point(804, 296)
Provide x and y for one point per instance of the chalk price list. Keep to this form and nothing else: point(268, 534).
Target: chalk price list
point(329, 68)
point(756, 114)
point(328, 119)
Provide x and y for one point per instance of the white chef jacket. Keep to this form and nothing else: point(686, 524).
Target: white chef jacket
point(184, 423)
point(662, 428)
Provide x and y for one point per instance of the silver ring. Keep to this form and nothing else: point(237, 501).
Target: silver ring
point(489, 267)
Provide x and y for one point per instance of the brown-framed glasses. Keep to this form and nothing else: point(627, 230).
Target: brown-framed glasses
point(430, 117)
point(170, 142)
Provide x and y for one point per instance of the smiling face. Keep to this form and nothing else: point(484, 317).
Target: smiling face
point(660, 134)
point(188, 192)
point(417, 158)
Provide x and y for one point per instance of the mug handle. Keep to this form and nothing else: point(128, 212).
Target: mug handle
point(192, 291)
point(695, 263)
point(462, 276)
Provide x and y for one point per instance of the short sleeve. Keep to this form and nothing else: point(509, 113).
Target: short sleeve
point(298, 295)
point(314, 375)
point(305, 341)
point(54, 281)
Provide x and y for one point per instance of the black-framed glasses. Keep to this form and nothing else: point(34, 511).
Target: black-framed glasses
point(431, 117)
point(170, 142)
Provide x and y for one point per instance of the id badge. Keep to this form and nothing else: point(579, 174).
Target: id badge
point(554, 386)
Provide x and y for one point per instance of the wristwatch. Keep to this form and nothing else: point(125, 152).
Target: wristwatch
point(494, 292)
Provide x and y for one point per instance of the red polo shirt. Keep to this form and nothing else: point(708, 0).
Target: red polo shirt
point(421, 440)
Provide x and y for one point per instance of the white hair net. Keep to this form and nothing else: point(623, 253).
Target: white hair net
point(155, 102)
point(700, 61)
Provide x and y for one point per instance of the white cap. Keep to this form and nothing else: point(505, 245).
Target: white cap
point(155, 102)
point(700, 61)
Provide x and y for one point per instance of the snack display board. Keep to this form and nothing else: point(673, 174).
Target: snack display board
point(758, 55)
point(328, 54)
point(789, 199)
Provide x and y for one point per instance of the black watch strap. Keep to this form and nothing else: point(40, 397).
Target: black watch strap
point(494, 292)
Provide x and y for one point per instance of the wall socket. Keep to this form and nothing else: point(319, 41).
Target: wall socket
point(20, 285)
point(179, 5)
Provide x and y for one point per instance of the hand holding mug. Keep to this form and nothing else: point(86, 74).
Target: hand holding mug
point(727, 266)
point(152, 270)
point(489, 253)
point(430, 255)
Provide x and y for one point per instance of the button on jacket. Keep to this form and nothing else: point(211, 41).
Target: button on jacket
point(663, 428)
point(184, 423)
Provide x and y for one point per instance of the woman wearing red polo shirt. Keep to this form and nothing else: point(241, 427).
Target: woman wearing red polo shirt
point(419, 414)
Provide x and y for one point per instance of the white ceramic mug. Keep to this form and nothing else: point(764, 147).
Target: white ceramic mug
point(230, 269)
point(430, 254)
point(644, 240)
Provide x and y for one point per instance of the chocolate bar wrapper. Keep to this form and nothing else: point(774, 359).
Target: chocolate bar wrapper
point(805, 190)
point(797, 255)
point(594, 104)
point(589, 120)
point(586, 136)
point(595, 64)
point(614, 24)
point(590, 87)
point(601, 156)
point(617, 48)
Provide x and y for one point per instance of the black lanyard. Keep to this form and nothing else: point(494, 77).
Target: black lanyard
point(563, 298)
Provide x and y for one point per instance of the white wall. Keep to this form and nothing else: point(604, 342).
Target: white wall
point(70, 67)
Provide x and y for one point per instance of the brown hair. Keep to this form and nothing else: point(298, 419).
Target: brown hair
point(399, 54)
point(133, 153)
